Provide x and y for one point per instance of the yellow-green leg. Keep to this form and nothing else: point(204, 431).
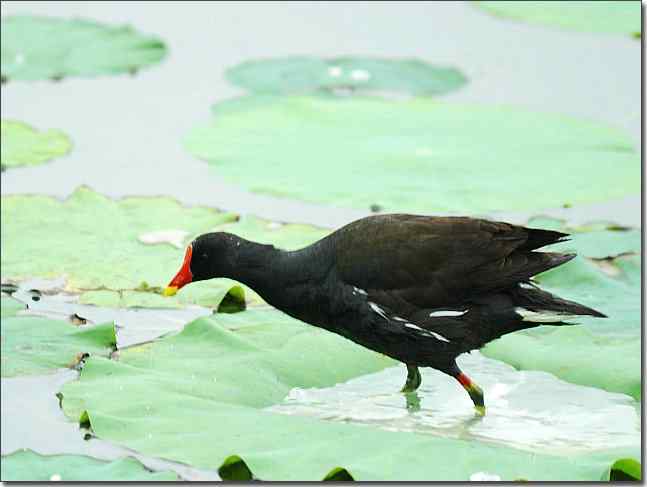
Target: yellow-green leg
point(413, 379)
point(475, 392)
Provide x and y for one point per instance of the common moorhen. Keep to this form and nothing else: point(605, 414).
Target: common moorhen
point(419, 289)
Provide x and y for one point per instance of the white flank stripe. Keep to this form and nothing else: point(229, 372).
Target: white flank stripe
point(378, 310)
point(361, 291)
point(439, 337)
point(437, 314)
point(415, 327)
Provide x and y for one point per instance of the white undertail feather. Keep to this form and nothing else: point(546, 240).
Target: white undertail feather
point(422, 331)
point(543, 316)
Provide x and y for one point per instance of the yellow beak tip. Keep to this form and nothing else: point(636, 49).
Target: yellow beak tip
point(170, 291)
point(480, 410)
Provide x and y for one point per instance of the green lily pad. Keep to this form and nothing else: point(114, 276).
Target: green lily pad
point(625, 469)
point(338, 474)
point(22, 145)
point(586, 16)
point(96, 243)
point(34, 345)
point(10, 307)
point(225, 369)
point(234, 468)
point(602, 353)
point(35, 48)
point(26, 465)
point(298, 75)
point(419, 156)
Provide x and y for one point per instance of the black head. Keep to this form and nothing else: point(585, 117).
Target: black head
point(209, 256)
point(213, 255)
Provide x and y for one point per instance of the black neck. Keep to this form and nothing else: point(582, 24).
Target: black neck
point(273, 273)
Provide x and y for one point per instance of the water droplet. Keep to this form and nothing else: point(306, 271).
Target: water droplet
point(55, 478)
point(360, 75)
point(334, 71)
point(484, 477)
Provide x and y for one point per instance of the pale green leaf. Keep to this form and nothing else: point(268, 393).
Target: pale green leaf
point(22, 145)
point(36, 48)
point(28, 466)
point(418, 156)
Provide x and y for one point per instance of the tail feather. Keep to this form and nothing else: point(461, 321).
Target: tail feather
point(529, 297)
point(538, 238)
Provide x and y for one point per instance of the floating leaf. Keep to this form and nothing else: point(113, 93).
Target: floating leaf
point(625, 469)
point(22, 145)
point(601, 352)
point(234, 468)
point(32, 344)
point(225, 369)
point(298, 75)
point(419, 155)
point(338, 474)
point(26, 465)
point(233, 302)
point(95, 243)
point(10, 307)
point(587, 16)
point(35, 48)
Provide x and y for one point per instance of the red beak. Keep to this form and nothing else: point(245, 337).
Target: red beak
point(184, 275)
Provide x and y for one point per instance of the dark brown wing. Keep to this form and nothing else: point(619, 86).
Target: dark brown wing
point(409, 261)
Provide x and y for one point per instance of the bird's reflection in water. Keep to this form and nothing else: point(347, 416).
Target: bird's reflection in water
point(412, 401)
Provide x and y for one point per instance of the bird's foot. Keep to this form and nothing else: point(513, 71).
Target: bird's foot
point(413, 379)
point(413, 401)
point(475, 393)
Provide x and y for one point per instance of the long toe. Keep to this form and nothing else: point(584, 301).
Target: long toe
point(476, 394)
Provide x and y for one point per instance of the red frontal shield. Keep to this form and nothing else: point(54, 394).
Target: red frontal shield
point(183, 277)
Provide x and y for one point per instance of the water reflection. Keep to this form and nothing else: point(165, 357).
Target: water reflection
point(528, 410)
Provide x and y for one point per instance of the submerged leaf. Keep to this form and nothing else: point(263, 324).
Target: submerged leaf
point(298, 75)
point(26, 465)
point(24, 146)
point(419, 156)
point(35, 48)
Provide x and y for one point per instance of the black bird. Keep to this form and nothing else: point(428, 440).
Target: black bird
point(419, 289)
